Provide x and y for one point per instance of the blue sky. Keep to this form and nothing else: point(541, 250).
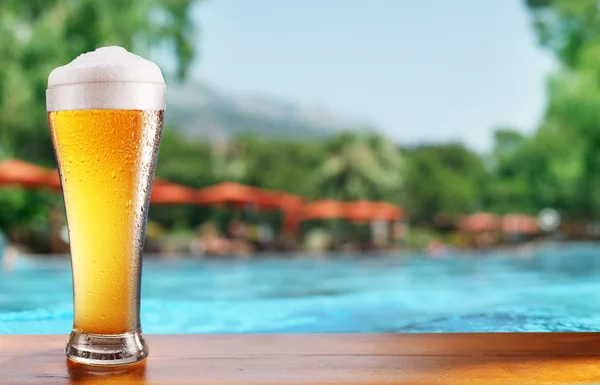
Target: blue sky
point(421, 71)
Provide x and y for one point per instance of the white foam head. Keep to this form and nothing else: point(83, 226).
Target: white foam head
point(108, 78)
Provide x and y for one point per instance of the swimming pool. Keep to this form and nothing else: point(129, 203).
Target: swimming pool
point(550, 288)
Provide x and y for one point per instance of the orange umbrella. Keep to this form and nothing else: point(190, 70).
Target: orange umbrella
point(323, 209)
point(367, 211)
point(390, 211)
point(478, 222)
point(171, 193)
point(530, 225)
point(280, 200)
point(519, 224)
point(14, 172)
point(53, 180)
point(229, 193)
point(361, 211)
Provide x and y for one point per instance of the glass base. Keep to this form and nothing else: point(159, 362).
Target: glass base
point(107, 349)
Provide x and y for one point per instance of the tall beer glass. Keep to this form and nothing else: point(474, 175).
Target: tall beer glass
point(105, 111)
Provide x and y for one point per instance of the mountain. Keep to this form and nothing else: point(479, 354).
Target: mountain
point(199, 110)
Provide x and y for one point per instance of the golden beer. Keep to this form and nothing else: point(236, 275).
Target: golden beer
point(105, 159)
point(105, 112)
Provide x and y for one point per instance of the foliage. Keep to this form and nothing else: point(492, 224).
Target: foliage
point(360, 167)
point(37, 36)
point(566, 27)
point(444, 178)
point(571, 130)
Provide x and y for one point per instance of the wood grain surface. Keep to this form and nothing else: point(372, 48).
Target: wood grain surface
point(491, 358)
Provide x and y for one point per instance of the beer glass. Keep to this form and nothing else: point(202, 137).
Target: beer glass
point(105, 112)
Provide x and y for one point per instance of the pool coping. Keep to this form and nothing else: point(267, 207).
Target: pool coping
point(445, 358)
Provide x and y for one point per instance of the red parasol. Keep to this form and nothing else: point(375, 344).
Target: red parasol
point(14, 172)
point(323, 209)
point(519, 224)
point(361, 211)
point(280, 200)
point(478, 222)
point(229, 193)
point(368, 211)
point(390, 211)
point(171, 193)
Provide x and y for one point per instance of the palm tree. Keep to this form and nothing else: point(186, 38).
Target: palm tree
point(360, 166)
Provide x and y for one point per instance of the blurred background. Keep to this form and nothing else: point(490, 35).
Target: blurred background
point(328, 166)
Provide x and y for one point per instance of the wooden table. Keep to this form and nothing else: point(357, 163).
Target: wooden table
point(483, 359)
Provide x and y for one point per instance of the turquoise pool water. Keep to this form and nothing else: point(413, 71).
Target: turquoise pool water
point(550, 288)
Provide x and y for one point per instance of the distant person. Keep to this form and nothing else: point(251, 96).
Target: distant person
point(237, 229)
point(239, 234)
point(210, 242)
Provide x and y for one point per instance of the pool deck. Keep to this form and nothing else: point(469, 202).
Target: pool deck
point(490, 358)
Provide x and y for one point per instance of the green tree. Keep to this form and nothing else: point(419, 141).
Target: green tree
point(446, 178)
point(509, 188)
point(507, 142)
point(361, 166)
point(282, 164)
point(39, 35)
point(571, 30)
point(185, 161)
point(566, 27)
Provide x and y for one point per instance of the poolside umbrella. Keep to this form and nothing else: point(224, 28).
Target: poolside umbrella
point(229, 193)
point(367, 211)
point(530, 225)
point(280, 200)
point(53, 180)
point(323, 209)
point(171, 193)
point(519, 224)
point(14, 172)
point(390, 212)
point(478, 222)
point(361, 211)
